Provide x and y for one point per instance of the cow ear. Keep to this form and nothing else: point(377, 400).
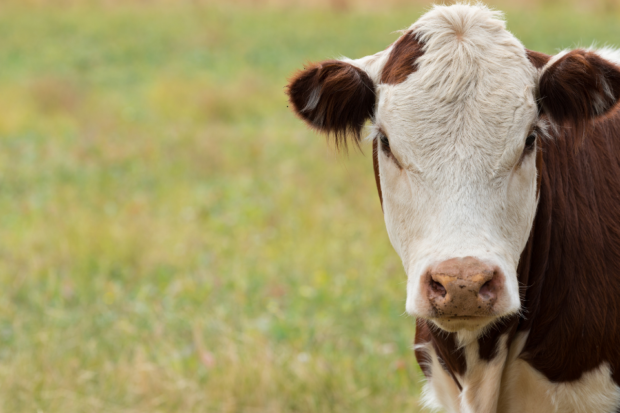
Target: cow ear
point(578, 87)
point(333, 97)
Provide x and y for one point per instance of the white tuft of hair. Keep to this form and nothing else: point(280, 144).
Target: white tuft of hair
point(462, 42)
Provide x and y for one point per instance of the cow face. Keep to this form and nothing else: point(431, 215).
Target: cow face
point(456, 127)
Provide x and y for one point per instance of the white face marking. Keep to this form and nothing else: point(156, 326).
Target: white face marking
point(458, 126)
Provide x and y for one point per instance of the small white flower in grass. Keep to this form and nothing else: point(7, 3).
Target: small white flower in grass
point(387, 348)
point(303, 357)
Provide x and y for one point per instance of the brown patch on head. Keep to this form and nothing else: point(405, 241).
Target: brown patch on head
point(333, 97)
point(539, 60)
point(402, 60)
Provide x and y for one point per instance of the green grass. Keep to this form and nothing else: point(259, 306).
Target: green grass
point(173, 239)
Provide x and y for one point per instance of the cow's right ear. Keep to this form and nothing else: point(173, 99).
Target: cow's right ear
point(333, 97)
point(578, 87)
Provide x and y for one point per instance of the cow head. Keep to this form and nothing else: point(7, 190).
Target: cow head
point(458, 109)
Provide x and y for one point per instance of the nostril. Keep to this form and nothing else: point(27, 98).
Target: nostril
point(437, 288)
point(486, 291)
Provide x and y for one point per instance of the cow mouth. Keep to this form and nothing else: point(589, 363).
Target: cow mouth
point(470, 323)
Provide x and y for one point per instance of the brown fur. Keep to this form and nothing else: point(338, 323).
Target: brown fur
point(402, 60)
point(333, 97)
point(539, 60)
point(578, 87)
point(573, 299)
point(451, 356)
point(423, 335)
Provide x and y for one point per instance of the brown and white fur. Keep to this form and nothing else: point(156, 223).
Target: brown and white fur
point(498, 171)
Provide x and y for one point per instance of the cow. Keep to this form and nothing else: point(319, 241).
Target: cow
point(498, 172)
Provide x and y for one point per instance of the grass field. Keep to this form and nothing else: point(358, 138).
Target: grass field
point(173, 239)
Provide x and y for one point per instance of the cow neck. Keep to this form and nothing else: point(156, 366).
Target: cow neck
point(571, 264)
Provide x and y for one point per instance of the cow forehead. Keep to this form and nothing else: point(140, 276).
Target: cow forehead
point(487, 128)
point(468, 90)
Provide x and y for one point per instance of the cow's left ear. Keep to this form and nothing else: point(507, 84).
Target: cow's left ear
point(333, 97)
point(578, 87)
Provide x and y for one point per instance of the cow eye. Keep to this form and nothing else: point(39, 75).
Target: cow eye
point(385, 144)
point(384, 141)
point(385, 147)
point(530, 142)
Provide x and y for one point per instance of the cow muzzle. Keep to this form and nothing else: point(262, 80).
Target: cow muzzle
point(463, 288)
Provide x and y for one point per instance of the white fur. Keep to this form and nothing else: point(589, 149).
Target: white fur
point(373, 64)
point(440, 391)
point(481, 381)
point(608, 53)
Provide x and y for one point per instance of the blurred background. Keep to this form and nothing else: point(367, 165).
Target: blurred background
point(172, 238)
